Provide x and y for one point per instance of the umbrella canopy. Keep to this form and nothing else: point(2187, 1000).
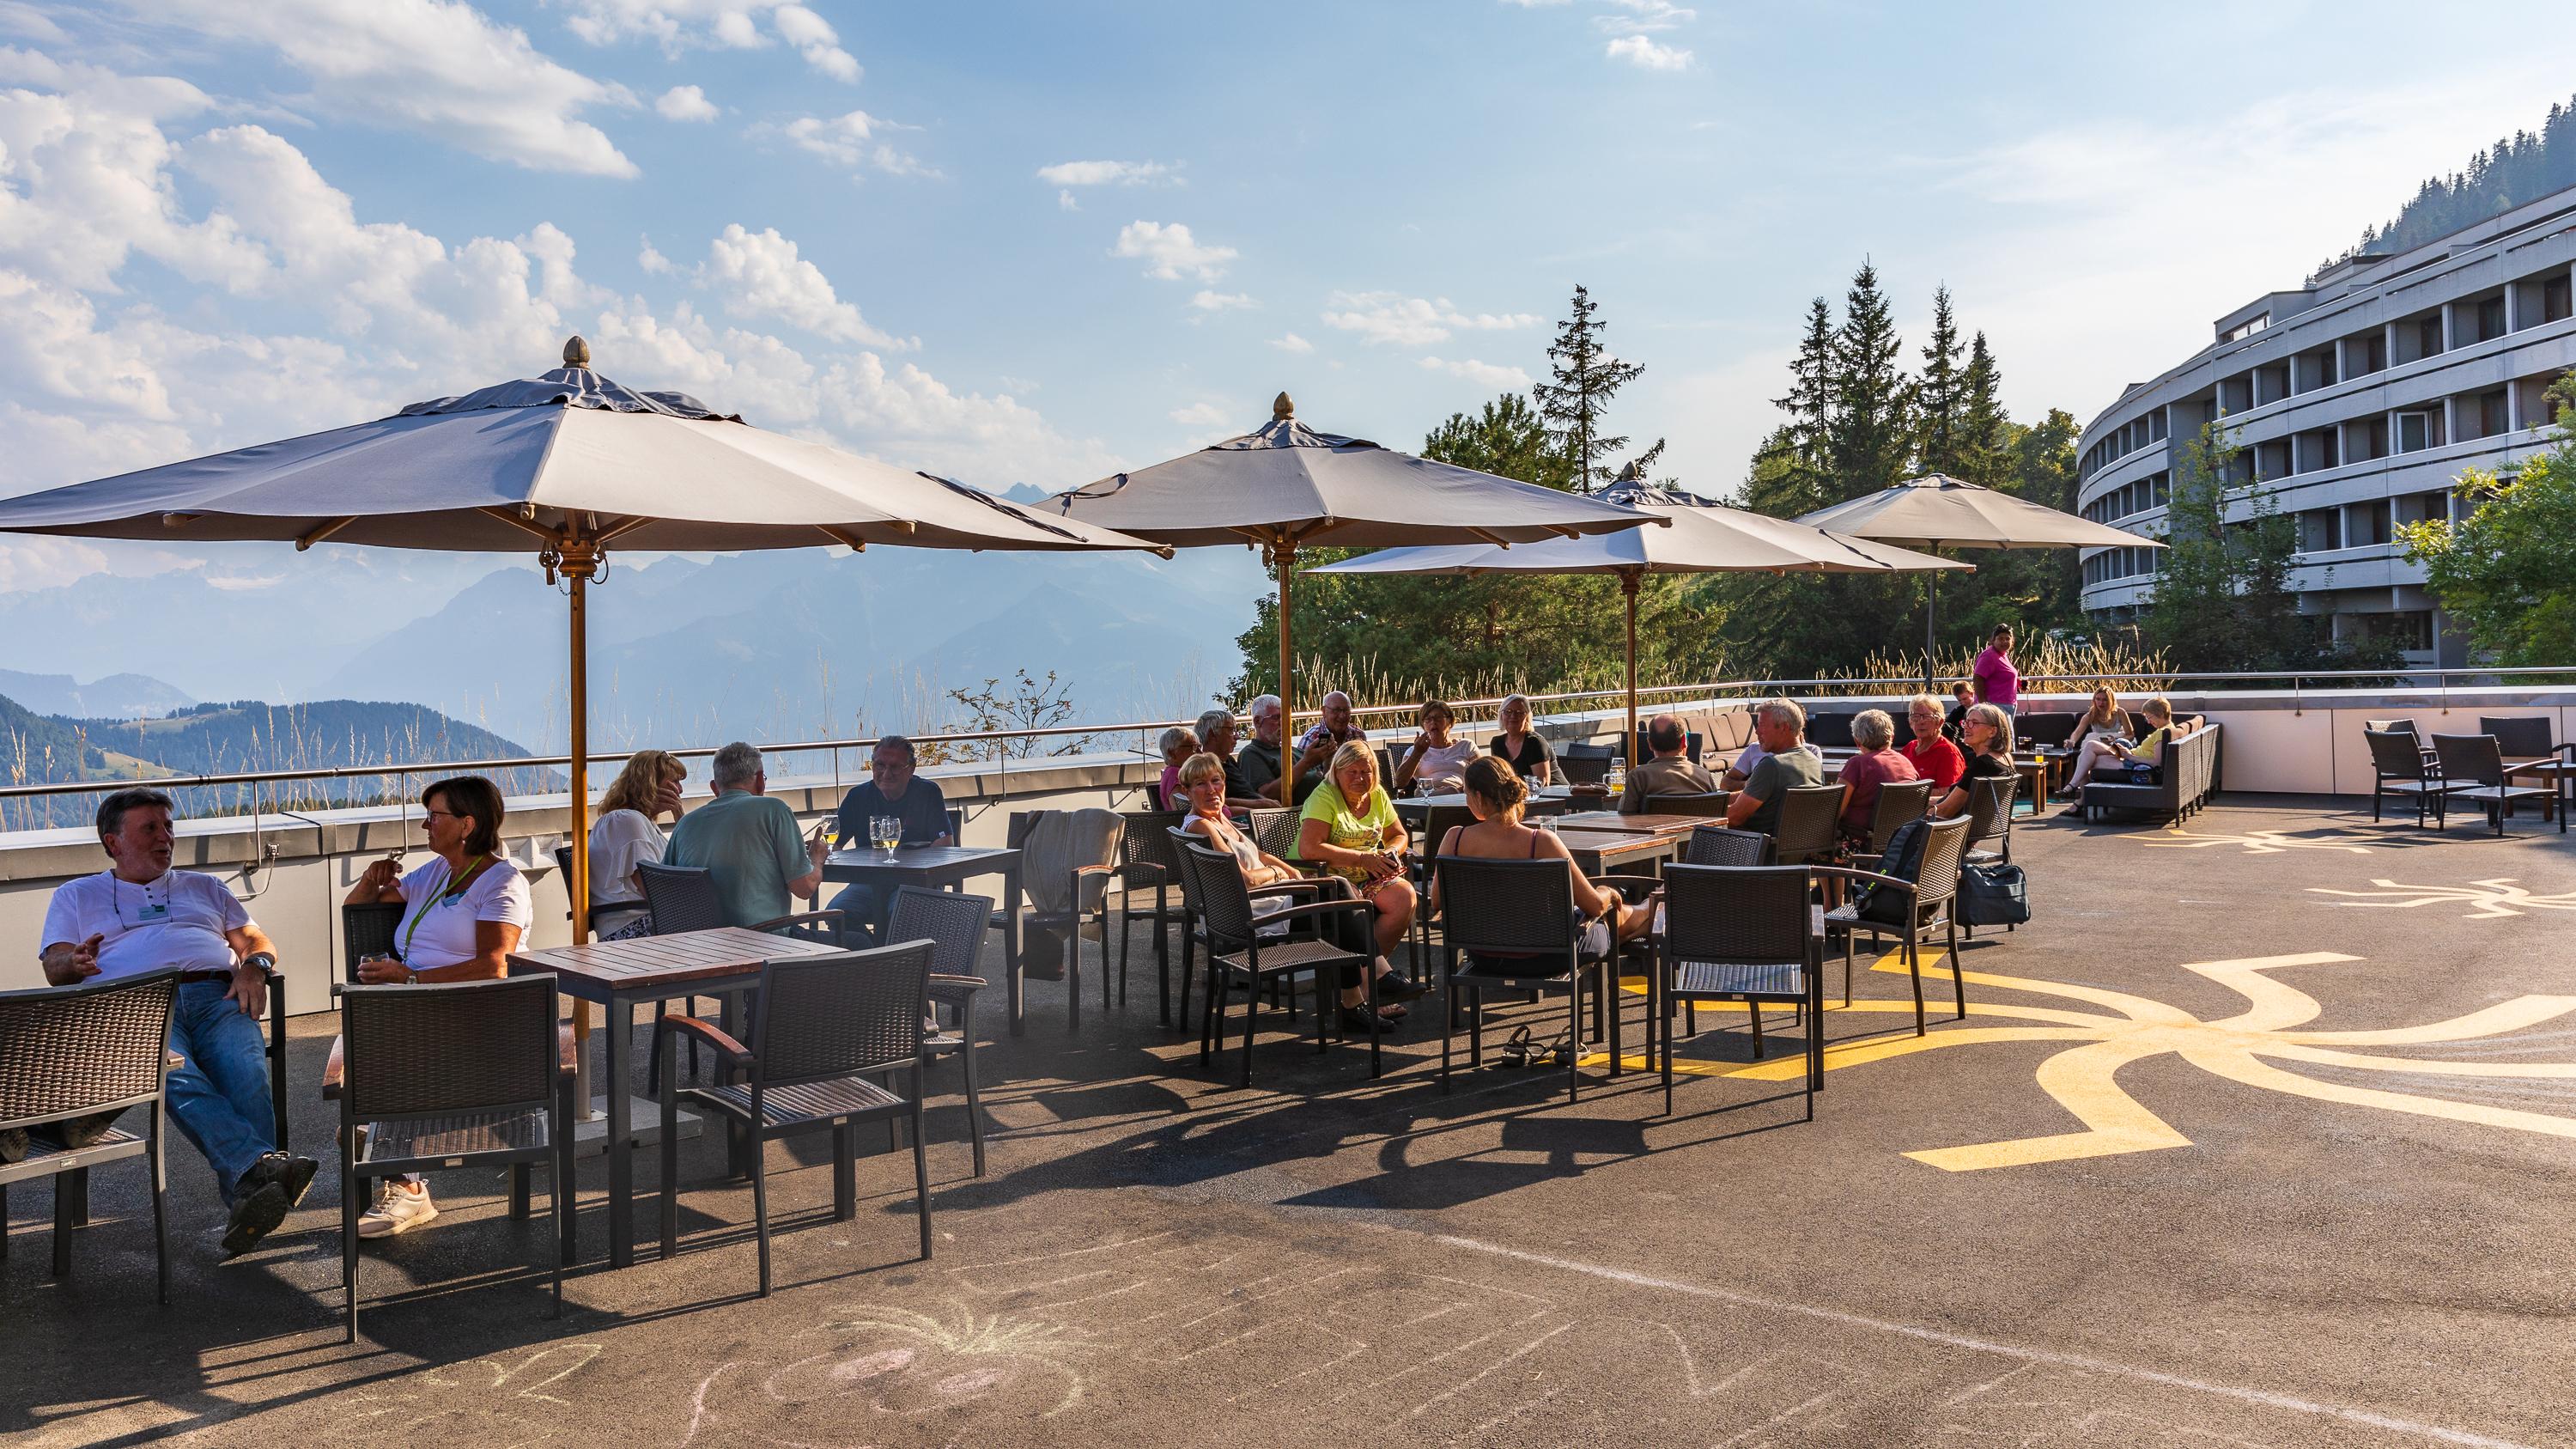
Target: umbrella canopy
point(566, 463)
point(1700, 539)
point(1286, 486)
point(1937, 511)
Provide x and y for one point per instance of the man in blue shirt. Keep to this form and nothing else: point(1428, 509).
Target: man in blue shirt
point(749, 843)
point(891, 790)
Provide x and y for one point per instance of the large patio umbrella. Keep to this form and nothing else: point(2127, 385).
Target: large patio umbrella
point(1701, 539)
point(567, 464)
point(1287, 487)
point(1939, 511)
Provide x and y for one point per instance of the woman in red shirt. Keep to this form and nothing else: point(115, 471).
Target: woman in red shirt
point(1931, 754)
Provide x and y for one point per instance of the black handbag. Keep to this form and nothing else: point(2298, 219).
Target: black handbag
point(1993, 895)
point(1888, 905)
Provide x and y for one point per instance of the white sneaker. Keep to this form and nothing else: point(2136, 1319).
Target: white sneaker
point(396, 1208)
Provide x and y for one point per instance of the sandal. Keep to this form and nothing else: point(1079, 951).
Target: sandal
point(1559, 1052)
point(1516, 1051)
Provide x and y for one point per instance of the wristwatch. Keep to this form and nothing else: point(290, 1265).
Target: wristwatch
point(266, 962)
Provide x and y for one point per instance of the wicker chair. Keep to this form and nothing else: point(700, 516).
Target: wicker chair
point(1898, 801)
point(2524, 739)
point(1146, 862)
point(466, 1072)
point(1928, 904)
point(1275, 832)
point(954, 925)
point(366, 929)
point(1194, 931)
point(1710, 805)
point(1719, 845)
point(1213, 882)
point(2473, 769)
point(79, 1051)
point(2400, 765)
point(1990, 816)
point(1583, 764)
point(1510, 925)
point(825, 1028)
point(683, 898)
point(1810, 824)
point(1070, 918)
point(1743, 933)
point(1436, 825)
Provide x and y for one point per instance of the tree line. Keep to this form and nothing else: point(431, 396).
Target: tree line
point(2516, 169)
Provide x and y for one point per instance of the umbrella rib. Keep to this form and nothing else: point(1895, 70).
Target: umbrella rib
point(524, 525)
point(615, 530)
point(842, 535)
point(313, 536)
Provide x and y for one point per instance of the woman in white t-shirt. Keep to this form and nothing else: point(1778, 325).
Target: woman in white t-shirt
point(626, 836)
point(1437, 759)
point(463, 914)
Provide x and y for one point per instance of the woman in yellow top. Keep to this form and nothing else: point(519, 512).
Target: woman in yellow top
point(1348, 827)
point(2149, 750)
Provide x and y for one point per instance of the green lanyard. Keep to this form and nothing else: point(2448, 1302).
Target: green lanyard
point(447, 891)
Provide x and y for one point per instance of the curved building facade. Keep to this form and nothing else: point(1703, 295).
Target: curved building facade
point(2357, 402)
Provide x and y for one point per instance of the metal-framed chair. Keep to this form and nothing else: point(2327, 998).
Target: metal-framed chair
point(1743, 933)
point(1810, 824)
point(1275, 831)
point(1990, 816)
point(2474, 769)
point(1708, 805)
point(81, 1051)
point(1722, 845)
point(825, 1031)
point(1585, 764)
point(1928, 900)
point(451, 1075)
point(366, 929)
point(1237, 949)
point(954, 925)
point(683, 898)
point(1194, 929)
point(1146, 862)
point(2524, 741)
point(1071, 918)
point(1512, 924)
point(2401, 765)
point(1898, 801)
point(1437, 822)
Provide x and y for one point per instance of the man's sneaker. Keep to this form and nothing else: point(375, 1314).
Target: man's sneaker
point(295, 1174)
point(397, 1208)
point(79, 1132)
point(255, 1215)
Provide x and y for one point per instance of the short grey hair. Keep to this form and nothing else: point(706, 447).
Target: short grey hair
point(735, 766)
point(1213, 721)
point(1262, 702)
point(1872, 730)
point(1177, 736)
point(1921, 701)
point(1779, 709)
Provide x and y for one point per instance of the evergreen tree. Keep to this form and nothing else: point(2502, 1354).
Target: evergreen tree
point(1868, 433)
point(1985, 452)
point(1585, 378)
point(1810, 403)
point(1943, 441)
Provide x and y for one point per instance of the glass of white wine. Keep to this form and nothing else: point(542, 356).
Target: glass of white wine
point(886, 831)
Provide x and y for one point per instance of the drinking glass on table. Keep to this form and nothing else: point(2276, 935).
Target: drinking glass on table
point(886, 831)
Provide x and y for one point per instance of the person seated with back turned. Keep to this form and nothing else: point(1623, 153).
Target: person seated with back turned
point(463, 914)
point(1496, 796)
point(892, 788)
point(1323, 740)
point(1990, 741)
point(1932, 753)
point(1518, 745)
point(1216, 733)
point(1259, 761)
point(2104, 751)
point(1670, 772)
point(137, 916)
point(1875, 764)
point(625, 837)
point(1436, 761)
point(1786, 764)
point(750, 845)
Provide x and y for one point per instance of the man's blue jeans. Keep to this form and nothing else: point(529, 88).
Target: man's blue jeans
point(861, 905)
point(219, 1096)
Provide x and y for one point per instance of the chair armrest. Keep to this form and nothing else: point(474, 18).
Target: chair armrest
point(1873, 877)
point(955, 990)
point(730, 1051)
point(805, 918)
point(335, 1069)
point(1642, 885)
point(1317, 908)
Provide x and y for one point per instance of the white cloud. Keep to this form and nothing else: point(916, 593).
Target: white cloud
point(440, 67)
point(678, 25)
point(1493, 375)
point(19, 18)
point(1066, 201)
point(686, 103)
point(1198, 415)
point(1395, 319)
point(1640, 17)
point(652, 260)
point(1292, 343)
point(1647, 54)
point(759, 274)
point(1108, 173)
point(1213, 301)
point(1170, 252)
point(854, 140)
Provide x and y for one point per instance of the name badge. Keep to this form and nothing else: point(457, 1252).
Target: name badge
point(152, 911)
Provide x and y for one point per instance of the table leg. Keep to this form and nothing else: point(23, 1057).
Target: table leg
point(582, 1085)
point(1011, 946)
point(621, 1132)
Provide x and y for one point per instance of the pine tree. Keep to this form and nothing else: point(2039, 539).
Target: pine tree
point(1586, 377)
point(1867, 437)
point(1810, 402)
point(1940, 396)
point(1984, 450)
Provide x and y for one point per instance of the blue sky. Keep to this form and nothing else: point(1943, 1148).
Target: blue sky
point(1036, 242)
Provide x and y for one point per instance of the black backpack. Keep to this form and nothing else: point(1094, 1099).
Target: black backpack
point(1886, 905)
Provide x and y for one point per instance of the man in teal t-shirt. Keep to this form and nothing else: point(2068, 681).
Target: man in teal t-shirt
point(748, 843)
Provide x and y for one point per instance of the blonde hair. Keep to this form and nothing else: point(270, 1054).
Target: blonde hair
point(1359, 750)
point(636, 786)
point(2091, 718)
point(1201, 767)
point(2160, 707)
point(1994, 718)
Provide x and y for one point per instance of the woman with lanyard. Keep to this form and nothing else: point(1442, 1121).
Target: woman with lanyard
point(463, 913)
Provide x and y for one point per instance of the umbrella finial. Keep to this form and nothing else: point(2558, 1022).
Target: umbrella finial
point(576, 351)
point(1628, 473)
point(1281, 407)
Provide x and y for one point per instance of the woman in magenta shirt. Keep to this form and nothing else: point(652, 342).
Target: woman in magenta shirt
point(1876, 764)
point(1998, 683)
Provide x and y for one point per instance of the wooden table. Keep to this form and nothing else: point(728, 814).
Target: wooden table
point(1603, 852)
point(940, 867)
point(1612, 820)
point(620, 974)
point(1415, 810)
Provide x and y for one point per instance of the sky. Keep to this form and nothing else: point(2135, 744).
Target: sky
point(1035, 243)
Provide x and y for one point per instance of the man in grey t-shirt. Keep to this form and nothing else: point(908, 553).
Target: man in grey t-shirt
point(1785, 765)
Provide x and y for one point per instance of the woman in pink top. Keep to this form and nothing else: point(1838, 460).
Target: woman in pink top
point(1998, 683)
point(1877, 764)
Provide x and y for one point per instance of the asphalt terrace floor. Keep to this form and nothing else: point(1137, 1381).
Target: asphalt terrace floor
point(2325, 1202)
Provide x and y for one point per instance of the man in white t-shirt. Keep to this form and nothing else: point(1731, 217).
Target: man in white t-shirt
point(139, 916)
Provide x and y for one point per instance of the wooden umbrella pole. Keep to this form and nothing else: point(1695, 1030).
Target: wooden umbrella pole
point(1628, 586)
point(577, 559)
point(1283, 555)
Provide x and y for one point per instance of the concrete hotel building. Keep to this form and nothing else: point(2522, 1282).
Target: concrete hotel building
point(2357, 401)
